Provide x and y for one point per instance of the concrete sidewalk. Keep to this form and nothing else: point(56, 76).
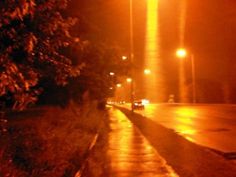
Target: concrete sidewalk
point(130, 153)
point(126, 153)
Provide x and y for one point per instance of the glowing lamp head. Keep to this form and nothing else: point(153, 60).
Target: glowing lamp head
point(129, 80)
point(112, 74)
point(124, 57)
point(118, 85)
point(181, 53)
point(147, 71)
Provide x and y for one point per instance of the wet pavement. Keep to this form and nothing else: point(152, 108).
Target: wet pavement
point(188, 159)
point(122, 151)
point(130, 154)
point(210, 125)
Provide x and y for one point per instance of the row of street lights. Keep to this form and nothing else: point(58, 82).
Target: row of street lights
point(130, 81)
point(180, 53)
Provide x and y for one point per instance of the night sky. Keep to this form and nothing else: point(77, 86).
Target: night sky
point(210, 32)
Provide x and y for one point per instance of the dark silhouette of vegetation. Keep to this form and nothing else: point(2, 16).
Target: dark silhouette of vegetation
point(32, 34)
point(38, 55)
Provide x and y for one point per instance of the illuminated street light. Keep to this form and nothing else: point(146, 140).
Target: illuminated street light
point(118, 85)
point(129, 80)
point(112, 74)
point(147, 71)
point(124, 57)
point(182, 53)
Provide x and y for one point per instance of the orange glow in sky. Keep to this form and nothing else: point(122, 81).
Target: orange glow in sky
point(182, 19)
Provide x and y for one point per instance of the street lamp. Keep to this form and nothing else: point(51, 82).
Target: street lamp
point(129, 80)
point(118, 85)
point(124, 57)
point(131, 45)
point(182, 53)
point(111, 74)
point(147, 71)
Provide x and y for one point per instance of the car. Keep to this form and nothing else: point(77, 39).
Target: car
point(138, 104)
point(122, 102)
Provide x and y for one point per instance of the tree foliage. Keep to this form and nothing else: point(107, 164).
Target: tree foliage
point(100, 60)
point(33, 34)
point(99, 55)
point(37, 51)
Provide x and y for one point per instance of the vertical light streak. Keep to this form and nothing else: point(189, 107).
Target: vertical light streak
point(154, 82)
point(183, 90)
point(182, 19)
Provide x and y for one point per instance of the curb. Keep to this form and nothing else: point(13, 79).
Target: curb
point(91, 146)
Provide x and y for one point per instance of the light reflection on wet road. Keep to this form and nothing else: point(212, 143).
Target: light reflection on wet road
point(130, 153)
point(213, 126)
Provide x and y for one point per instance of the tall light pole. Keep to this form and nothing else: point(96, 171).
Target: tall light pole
point(182, 53)
point(193, 77)
point(131, 51)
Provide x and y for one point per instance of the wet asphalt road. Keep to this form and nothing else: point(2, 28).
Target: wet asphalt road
point(136, 146)
point(213, 126)
point(187, 158)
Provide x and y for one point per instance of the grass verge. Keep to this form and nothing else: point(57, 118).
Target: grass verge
point(48, 141)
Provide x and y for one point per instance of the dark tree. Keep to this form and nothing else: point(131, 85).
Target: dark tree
point(33, 34)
